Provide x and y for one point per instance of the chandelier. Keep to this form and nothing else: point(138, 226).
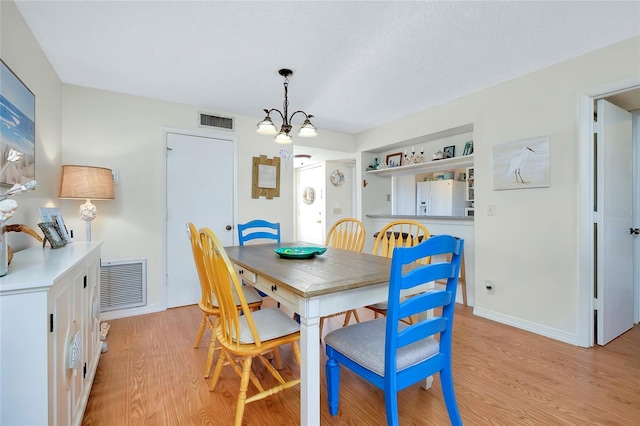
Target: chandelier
point(266, 126)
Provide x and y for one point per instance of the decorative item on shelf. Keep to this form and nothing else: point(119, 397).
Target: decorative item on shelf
point(19, 228)
point(394, 160)
point(413, 158)
point(449, 151)
point(468, 148)
point(86, 182)
point(438, 155)
point(382, 166)
point(266, 126)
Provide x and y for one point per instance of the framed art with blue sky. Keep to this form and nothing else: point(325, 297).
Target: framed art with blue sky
point(17, 127)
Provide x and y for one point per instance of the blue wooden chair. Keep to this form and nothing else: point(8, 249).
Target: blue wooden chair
point(391, 354)
point(258, 229)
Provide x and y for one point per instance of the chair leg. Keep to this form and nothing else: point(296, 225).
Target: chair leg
point(218, 370)
point(212, 349)
point(242, 396)
point(277, 359)
point(391, 405)
point(332, 371)
point(446, 381)
point(203, 325)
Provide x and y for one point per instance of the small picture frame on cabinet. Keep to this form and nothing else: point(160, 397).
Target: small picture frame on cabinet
point(51, 234)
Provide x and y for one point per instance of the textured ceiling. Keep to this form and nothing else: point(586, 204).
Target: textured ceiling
point(356, 64)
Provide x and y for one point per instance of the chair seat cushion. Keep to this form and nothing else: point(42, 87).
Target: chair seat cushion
point(271, 323)
point(364, 344)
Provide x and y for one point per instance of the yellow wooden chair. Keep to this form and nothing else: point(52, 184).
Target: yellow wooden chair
point(208, 302)
point(248, 336)
point(346, 234)
point(399, 233)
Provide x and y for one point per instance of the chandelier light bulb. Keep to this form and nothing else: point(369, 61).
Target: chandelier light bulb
point(283, 138)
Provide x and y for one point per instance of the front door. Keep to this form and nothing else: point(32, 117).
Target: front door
point(200, 189)
point(614, 242)
point(311, 204)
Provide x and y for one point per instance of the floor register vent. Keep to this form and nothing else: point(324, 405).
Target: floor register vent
point(123, 284)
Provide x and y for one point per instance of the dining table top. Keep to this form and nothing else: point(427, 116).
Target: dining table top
point(333, 271)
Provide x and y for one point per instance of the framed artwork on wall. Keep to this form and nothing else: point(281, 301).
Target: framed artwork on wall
point(521, 164)
point(18, 130)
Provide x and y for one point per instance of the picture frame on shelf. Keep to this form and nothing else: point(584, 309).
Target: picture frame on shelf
point(19, 113)
point(394, 160)
point(51, 234)
point(52, 214)
point(449, 151)
point(468, 148)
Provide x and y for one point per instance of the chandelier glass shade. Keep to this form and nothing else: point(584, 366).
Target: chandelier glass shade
point(267, 126)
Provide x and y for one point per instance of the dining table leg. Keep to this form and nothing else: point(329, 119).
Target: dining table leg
point(310, 364)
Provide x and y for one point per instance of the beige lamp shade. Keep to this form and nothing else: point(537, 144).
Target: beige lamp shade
point(86, 182)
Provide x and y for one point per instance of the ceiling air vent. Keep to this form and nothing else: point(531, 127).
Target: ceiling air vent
point(218, 122)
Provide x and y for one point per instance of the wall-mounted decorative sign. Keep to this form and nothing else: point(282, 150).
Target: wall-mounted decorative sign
point(266, 177)
point(521, 164)
point(18, 130)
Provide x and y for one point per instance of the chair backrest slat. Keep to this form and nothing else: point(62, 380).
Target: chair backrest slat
point(208, 299)
point(258, 229)
point(347, 234)
point(400, 233)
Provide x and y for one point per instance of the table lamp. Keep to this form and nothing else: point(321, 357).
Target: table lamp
point(78, 182)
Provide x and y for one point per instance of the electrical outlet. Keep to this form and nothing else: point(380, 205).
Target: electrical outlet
point(489, 286)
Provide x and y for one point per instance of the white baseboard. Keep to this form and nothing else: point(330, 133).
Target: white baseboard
point(542, 330)
point(123, 313)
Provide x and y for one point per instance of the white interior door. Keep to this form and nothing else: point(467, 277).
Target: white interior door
point(311, 213)
point(614, 206)
point(200, 189)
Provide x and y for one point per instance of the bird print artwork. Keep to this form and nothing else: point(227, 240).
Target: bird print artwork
point(521, 164)
point(517, 163)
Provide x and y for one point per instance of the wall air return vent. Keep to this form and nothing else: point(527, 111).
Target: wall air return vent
point(123, 284)
point(215, 121)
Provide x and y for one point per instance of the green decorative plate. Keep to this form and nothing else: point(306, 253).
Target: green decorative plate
point(299, 252)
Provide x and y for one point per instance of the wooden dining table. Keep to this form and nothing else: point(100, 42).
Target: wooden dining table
point(335, 281)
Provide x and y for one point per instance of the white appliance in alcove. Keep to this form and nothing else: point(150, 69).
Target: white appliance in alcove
point(440, 198)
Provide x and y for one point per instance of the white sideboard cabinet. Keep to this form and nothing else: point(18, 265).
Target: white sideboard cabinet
point(49, 334)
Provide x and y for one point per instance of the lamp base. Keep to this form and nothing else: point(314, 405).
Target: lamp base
point(87, 213)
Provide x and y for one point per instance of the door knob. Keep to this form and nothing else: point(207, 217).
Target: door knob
point(228, 227)
point(634, 231)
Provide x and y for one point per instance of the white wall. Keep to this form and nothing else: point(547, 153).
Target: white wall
point(124, 133)
point(529, 249)
point(20, 51)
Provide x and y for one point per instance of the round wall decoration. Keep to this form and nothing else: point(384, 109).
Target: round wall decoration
point(337, 178)
point(308, 195)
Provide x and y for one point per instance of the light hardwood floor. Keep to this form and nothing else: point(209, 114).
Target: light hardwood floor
point(152, 375)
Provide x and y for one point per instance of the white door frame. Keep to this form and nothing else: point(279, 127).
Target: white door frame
point(215, 134)
point(586, 277)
